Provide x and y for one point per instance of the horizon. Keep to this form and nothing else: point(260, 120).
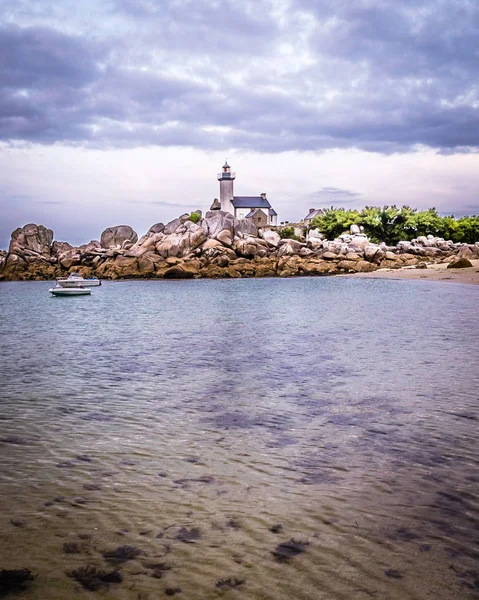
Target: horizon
point(297, 222)
point(123, 112)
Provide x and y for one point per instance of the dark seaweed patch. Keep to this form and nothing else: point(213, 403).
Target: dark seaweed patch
point(14, 580)
point(394, 574)
point(158, 566)
point(172, 591)
point(188, 536)
point(276, 528)
point(18, 522)
point(287, 550)
point(229, 583)
point(96, 417)
point(123, 553)
point(71, 548)
point(187, 480)
point(233, 524)
point(92, 578)
point(79, 501)
point(16, 440)
point(404, 535)
point(91, 487)
point(83, 458)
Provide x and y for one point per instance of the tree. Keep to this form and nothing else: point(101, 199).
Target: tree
point(335, 221)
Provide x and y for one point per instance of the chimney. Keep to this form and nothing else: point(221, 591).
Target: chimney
point(263, 195)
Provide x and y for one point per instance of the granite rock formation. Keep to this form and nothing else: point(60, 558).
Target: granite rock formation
point(219, 245)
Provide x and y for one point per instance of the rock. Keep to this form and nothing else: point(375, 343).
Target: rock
point(246, 248)
point(289, 247)
point(461, 263)
point(177, 273)
point(359, 241)
point(60, 247)
point(69, 258)
point(172, 226)
point(315, 267)
point(363, 266)
point(245, 227)
point(216, 205)
point(31, 238)
point(354, 229)
point(225, 237)
point(217, 221)
point(467, 252)
point(271, 237)
point(147, 263)
point(186, 238)
point(120, 236)
point(373, 253)
point(210, 244)
point(329, 256)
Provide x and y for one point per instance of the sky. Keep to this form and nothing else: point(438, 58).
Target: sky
point(120, 112)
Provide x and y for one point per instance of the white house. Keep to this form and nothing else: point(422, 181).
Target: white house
point(242, 207)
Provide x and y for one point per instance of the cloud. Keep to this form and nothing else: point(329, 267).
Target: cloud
point(275, 76)
point(335, 195)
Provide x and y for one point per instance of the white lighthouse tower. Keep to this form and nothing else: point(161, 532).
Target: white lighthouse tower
point(226, 179)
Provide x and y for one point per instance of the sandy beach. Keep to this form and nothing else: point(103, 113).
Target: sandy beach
point(435, 272)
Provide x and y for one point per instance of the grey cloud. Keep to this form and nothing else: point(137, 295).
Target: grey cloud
point(327, 195)
point(381, 76)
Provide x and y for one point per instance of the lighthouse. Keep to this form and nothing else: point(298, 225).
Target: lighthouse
point(226, 179)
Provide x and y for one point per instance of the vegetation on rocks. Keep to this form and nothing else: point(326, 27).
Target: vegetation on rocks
point(287, 233)
point(195, 216)
point(391, 224)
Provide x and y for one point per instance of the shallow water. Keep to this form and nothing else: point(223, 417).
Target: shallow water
point(206, 423)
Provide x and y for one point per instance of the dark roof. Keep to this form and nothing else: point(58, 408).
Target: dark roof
point(314, 212)
point(272, 212)
point(250, 202)
point(254, 212)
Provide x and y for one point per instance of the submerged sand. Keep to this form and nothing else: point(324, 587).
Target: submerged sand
point(434, 272)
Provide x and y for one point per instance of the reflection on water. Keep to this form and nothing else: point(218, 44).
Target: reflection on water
point(270, 439)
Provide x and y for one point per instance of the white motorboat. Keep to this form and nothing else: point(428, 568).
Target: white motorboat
point(71, 291)
point(75, 280)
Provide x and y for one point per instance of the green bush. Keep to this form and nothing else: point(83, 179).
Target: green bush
point(288, 233)
point(195, 217)
point(391, 224)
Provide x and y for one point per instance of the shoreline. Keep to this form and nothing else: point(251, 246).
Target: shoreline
point(434, 272)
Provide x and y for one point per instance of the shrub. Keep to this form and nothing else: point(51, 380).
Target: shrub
point(195, 217)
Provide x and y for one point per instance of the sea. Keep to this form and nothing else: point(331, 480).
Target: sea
point(265, 439)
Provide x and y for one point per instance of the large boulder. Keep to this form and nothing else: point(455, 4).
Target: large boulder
point(60, 247)
point(460, 263)
point(271, 237)
point(31, 238)
point(187, 237)
point(172, 226)
point(120, 236)
point(289, 247)
point(216, 221)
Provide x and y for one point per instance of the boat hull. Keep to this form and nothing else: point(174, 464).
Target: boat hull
point(75, 291)
point(66, 283)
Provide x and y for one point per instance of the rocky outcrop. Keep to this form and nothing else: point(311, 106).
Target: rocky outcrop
point(120, 236)
point(31, 240)
point(218, 245)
